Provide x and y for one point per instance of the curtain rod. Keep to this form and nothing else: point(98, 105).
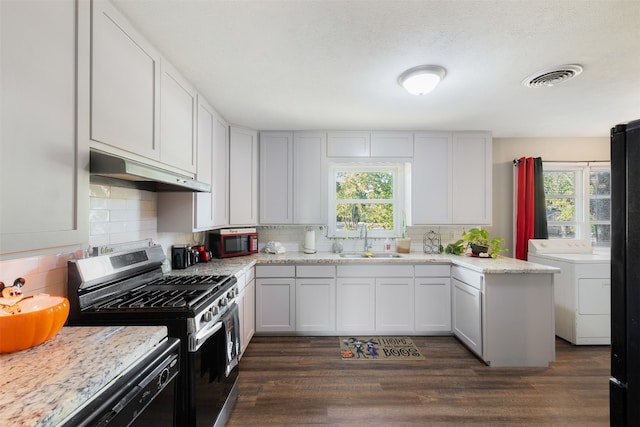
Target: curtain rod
point(516, 162)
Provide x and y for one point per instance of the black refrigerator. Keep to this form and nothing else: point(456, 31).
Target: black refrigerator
point(624, 385)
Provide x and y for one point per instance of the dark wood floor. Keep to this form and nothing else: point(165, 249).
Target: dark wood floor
point(301, 381)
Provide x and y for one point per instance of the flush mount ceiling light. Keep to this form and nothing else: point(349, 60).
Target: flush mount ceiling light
point(552, 76)
point(421, 79)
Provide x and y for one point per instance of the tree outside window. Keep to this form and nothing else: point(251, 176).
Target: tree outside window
point(365, 194)
point(578, 201)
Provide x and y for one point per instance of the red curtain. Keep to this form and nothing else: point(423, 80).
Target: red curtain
point(525, 215)
point(531, 215)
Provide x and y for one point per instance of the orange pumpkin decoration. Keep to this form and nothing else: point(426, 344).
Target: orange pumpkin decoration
point(40, 319)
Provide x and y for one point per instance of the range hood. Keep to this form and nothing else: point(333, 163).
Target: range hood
point(118, 171)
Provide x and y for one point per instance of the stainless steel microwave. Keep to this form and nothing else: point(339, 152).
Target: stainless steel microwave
point(230, 242)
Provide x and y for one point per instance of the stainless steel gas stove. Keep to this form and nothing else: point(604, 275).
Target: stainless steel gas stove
point(129, 288)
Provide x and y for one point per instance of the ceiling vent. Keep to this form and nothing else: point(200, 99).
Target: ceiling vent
point(552, 76)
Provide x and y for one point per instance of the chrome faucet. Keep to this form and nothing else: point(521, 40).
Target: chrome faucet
point(363, 227)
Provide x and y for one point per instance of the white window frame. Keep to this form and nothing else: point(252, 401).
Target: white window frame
point(582, 197)
point(397, 169)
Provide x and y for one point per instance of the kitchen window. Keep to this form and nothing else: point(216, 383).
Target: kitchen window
point(578, 201)
point(366, 193)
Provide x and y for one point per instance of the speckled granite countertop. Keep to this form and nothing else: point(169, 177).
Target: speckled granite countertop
point(43, 385)
point(500, 265)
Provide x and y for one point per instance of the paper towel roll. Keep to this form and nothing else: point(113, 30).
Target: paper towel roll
point(310, 242)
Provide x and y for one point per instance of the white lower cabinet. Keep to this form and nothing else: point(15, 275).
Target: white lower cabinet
point(246, 306)
point(316, 298)
point(394, 304)
point(374, 298)
point(432, 302)
point(467, 315)
point(275, 299)
point(356, 304)
point(315, 305)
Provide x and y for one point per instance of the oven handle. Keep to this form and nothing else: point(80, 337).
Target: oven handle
point(196, 341)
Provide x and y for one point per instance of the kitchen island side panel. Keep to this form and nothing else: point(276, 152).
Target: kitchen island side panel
point(519, 326)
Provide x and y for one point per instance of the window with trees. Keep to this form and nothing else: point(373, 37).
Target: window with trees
point(578, 199)
point(370, 194)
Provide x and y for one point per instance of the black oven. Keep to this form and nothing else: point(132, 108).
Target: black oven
point(130, 289)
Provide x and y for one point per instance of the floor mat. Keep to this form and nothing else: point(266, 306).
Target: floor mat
point(379, 348)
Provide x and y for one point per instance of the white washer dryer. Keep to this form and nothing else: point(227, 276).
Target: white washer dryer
point(582, 290)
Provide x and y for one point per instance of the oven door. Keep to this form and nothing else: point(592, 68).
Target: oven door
point(130, 400)
point(214, 373)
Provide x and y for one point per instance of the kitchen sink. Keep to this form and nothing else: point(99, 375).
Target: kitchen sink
point(370, 255)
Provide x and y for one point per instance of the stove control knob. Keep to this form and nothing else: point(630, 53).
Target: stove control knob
point(231, 294)
point(213, 310)
point(223, 302)
point(207, 316)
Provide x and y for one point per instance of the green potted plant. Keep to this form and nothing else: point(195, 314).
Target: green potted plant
point(455, 248)
point(482, 244)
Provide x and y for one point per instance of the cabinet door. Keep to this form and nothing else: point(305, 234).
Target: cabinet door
point(433, 304)
point(348, 144)
point(243, 176)
point(190, 212)
point(249, 314)
point(394, 305)
point(315, 305)
point(177, 120)
point(309, 178)
point(472, 169)
point(213, 168)
point(44, 192)
point(467, 315)
point(355, 305)
point(204, 201)
point(276, 178)
point(124, 84)
point(275, 305)
point(432, 183)
point(220, 163)
point(391, 144)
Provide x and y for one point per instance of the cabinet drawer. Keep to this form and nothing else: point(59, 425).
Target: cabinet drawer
point(375, 271)
point(275, 271)
point(440, 270)
point(315, 271)
point(469, 277)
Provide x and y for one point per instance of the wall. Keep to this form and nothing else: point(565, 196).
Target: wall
point(292, 238)
point(505, 150)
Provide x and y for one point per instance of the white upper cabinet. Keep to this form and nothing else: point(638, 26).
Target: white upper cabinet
point(370, 144)
point(125, 83)
point(177, 120)
point(391, 144)
point(276, 178)
point(472, 171)
point(141, 108)
point(348, 144)
point(292, 177)
point(190, 212)
point(220, 163)
point(432, 185)
point(243, 176)
point(309, 178)
point(44, 162)
point(452, 178)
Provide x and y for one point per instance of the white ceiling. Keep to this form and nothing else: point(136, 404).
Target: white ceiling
point(333, 64)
